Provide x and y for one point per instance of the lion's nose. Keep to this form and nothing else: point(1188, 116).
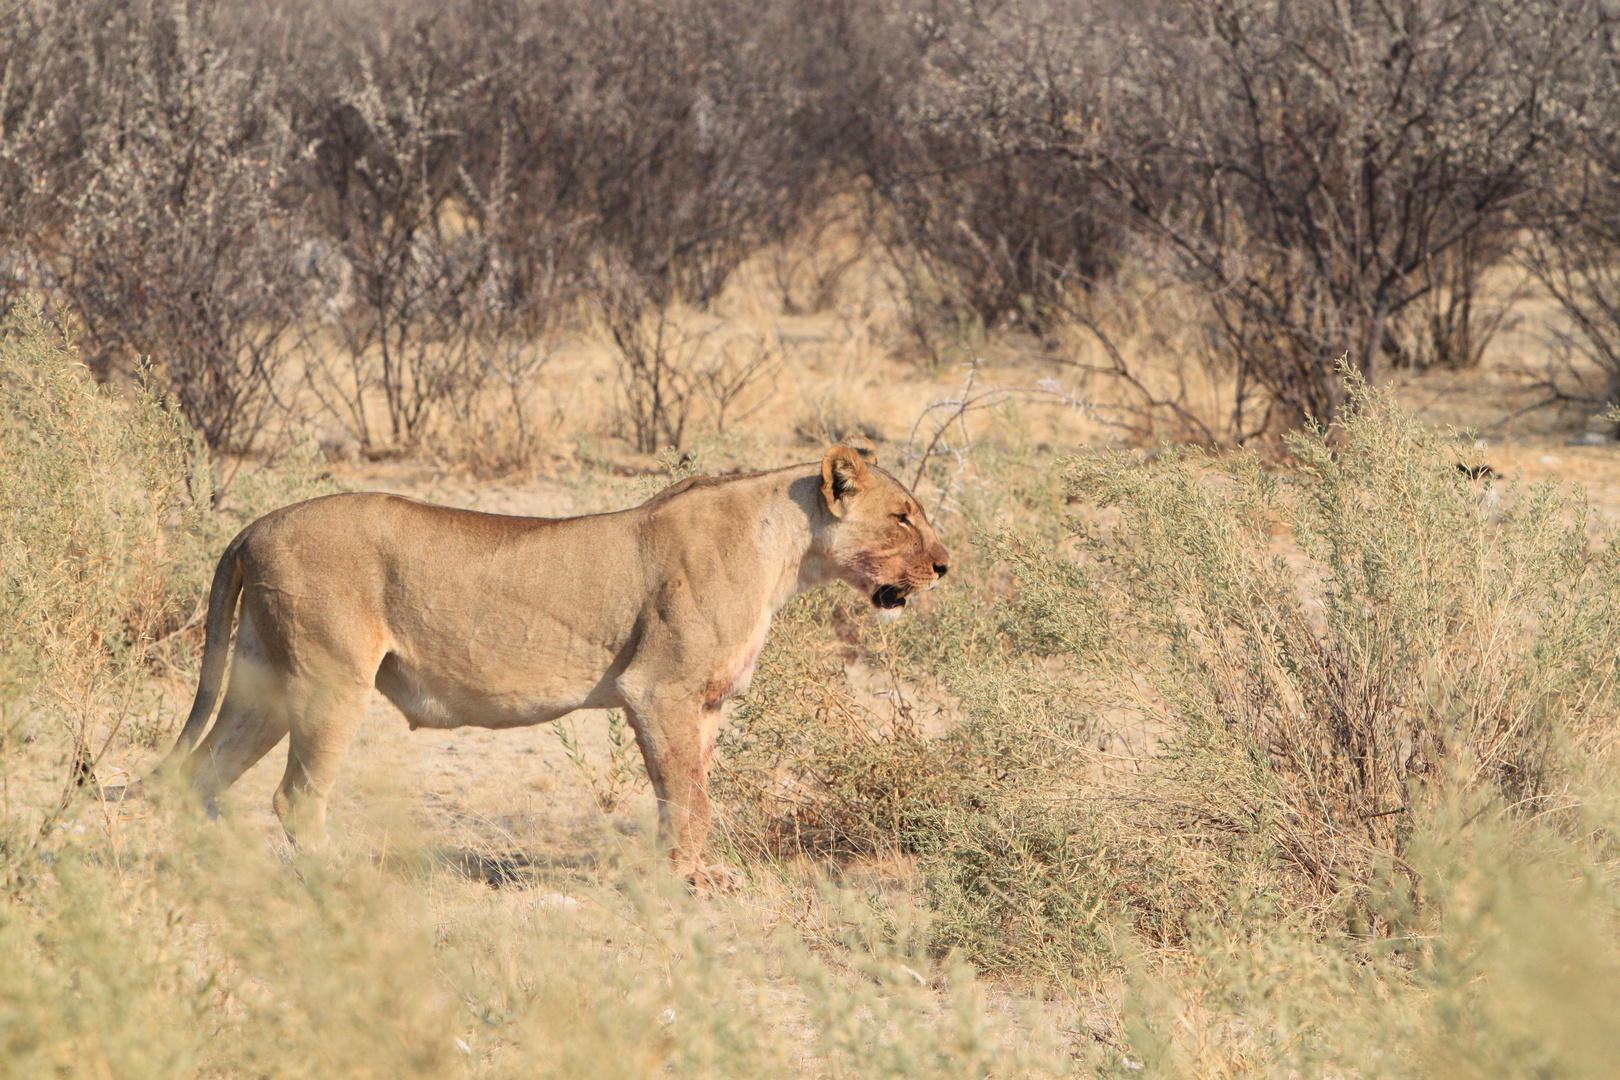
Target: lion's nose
point(939, 569)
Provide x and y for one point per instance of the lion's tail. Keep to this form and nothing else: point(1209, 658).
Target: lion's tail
point(222, 596)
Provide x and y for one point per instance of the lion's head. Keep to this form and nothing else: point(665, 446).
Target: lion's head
point(882, 543)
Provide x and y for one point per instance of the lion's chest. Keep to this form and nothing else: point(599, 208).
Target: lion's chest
point(734, 675)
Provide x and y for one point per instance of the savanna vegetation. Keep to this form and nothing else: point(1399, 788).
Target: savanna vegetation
point(1259, 730)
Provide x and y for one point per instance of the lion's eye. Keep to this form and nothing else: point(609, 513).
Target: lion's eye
point(904, 519)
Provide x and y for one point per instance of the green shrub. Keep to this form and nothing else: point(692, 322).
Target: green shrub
point(1508, 968)
point(108, 536)
point(93, 486)
point(1302, 658)
point(804, 766)
point(96, 500)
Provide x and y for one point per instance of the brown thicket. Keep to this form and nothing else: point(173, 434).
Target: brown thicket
point(393, 205)
point(1332, 178)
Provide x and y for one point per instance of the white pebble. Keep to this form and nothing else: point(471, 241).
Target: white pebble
point(556, 900)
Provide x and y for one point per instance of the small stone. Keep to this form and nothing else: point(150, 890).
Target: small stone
point(557, 901)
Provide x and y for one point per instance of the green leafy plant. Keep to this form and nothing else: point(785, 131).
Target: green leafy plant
point(623, 770)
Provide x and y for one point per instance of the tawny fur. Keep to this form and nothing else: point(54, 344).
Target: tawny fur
point(464, 618)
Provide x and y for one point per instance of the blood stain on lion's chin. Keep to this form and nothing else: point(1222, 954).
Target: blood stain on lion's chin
point(889, 596)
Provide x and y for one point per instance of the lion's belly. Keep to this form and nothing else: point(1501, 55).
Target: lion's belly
point(436, 700)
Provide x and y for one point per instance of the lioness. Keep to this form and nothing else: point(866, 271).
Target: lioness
point(466, 618)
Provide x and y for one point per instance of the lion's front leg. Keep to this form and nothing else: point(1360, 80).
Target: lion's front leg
point(677, 743)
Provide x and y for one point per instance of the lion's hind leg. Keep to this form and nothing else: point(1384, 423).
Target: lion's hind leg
point(242, 735)
point(252, 720)
point(324, 715)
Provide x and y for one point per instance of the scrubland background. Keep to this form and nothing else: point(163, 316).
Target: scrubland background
point(1255, 360)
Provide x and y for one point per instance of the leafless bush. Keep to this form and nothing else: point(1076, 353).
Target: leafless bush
point(1573, 260)
point(807, 267)
point(495, 431)
point(1003, 233)
point(983, 228)
point(1309, 166)
point(1188, 399)
point(1316, 170)
point(675, 134)
point(1574, 250)
point(1456, 315)
point(152, 209)
point(511, 327)
point(730, 372)
point(942, 430)
point(461, 160)
point(656, 357)
point(830, 418)
point(673, 187)
point(1012, 233)
point(30, 42)
point(672, 370)
point(397, 265)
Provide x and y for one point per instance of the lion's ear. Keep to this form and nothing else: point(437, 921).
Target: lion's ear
point(862, 446)
point(843, 473)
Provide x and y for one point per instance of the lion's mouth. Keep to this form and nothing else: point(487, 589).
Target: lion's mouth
point(889, 596)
